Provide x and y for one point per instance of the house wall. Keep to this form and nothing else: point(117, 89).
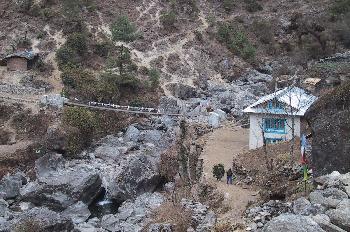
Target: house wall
point(17, 64)
point(256, 134)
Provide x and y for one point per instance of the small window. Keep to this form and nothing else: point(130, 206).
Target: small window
point(274, 125)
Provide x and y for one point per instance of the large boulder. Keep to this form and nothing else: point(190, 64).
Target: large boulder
point(132, 134)
point(41, 219)
point(329, 119)
point(10, 185)
point(56, 139)
point(4, 208)
point(203, 219)
point(341, 215)
point(78, 212)
point(325, 223)
point(132, 215)
point(137, 174)
point(292, 223)
point(329, 198)
point(182, 91)
point(49, 163)
point(303, 207)
point(4, 225)
point(60, 187)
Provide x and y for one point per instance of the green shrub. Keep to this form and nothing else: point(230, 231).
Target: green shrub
point(168, 20)
point(236, 41)
point(102, 49)
point(77, 42)
point(107, 89)
point(66, 56)
point(343, 31)
point(218, 171)
point(340, 7)
point(82, 125)
point(154, 76)
point(123, 30)
point(252, 6)
point(228, 5)
point(263, 31)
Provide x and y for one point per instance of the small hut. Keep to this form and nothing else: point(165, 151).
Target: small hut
point(19, 61)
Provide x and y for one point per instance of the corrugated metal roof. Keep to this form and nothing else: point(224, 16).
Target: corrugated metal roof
point(296, 97)
point(29, 55)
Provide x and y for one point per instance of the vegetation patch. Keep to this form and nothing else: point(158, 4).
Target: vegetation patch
point(123, 30)
point(236, 40)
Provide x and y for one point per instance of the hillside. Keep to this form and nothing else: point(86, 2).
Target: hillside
point(163, 84)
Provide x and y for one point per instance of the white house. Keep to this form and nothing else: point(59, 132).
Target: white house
point(275, 116)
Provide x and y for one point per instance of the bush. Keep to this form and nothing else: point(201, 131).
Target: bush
point(228, 5)
point(169, 166)
point(236, 41)
point(102, 49)
point(252, 6)
point(123, 30)
point(263, 31)
point(77, 42)
point(343, 31)
point(81, 124)
point(168, 20)
point(340, 7)
point(218, 171)
point(154, 78)
point(66, 56)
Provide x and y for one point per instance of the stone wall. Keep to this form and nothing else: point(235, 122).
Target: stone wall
point(20, 90)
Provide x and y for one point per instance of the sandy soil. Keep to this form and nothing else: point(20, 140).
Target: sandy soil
point(221, 146)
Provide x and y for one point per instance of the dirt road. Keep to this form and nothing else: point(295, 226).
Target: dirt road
point(221, 146)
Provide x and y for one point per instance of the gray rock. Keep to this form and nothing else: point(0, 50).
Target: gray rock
point(132, 215)
point(56, 139)
point(292, 223)
point(214, 120)
point(138, 174)
point(303, 207)
point(151, 136)
point(4, 225)
point(341, 215)
point(255, 76)
point(49, 163)
point(160, 227)
point(325, 223)
point(329, 198)
point(4, 208)
point(132, 134)
point(107, 152)
point(79, 212)
point(62, 187)
point(182, 91)
point(345, 179)
point(43, 218)
point(11, 185)
point(169, 105)
point(203, 219)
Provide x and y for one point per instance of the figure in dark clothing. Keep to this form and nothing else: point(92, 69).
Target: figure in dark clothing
point(229, 175)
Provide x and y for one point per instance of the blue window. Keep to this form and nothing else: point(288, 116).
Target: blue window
point(273, 140)
point(274, 125)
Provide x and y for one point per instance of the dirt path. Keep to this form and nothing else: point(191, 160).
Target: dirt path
point(221, 146)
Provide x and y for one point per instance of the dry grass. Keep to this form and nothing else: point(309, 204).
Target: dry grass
point(172, 214)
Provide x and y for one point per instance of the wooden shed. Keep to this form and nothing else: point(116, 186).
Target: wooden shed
point(19, 61)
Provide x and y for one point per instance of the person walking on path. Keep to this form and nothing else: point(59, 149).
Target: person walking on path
point(229, 175)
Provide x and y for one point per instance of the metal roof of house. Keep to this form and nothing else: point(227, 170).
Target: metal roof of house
point(29, 55)
point(297, 98)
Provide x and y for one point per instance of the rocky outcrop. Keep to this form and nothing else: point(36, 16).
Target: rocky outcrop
point(203, 219)
point(132, 215)
point(10, 185)
point(42, 219)
point(59, 186)
point(326, 209)
point(329, 119)
point(292, 223)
